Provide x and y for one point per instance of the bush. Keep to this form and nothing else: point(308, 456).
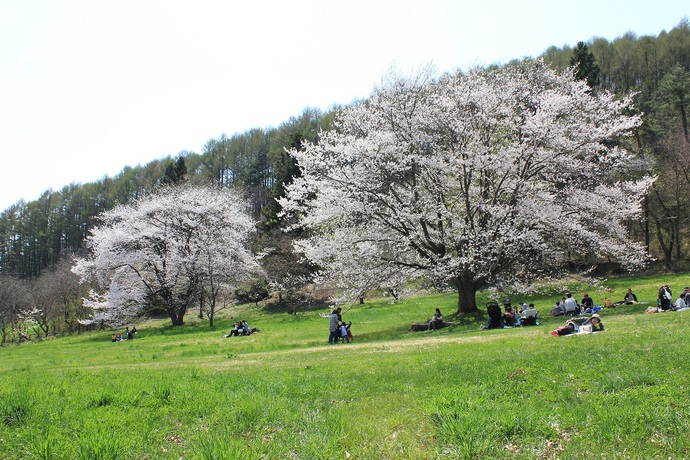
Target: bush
point(255, 292)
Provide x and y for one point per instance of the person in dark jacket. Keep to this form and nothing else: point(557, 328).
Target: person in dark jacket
point(630, 297)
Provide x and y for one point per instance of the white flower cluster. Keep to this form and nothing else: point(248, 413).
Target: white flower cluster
point(166, 249)
point(493, 173)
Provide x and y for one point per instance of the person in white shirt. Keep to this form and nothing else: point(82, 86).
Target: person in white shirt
point(571, 306)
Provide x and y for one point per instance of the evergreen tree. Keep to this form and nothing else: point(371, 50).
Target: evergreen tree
point(585, 66)
point(175, 172)
point(180, 168)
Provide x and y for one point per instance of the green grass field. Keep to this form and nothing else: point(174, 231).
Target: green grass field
point(284, 393)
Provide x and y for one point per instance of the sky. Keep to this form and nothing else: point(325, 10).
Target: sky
point(88, 87)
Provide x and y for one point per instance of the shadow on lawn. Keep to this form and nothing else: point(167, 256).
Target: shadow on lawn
point(469, 322)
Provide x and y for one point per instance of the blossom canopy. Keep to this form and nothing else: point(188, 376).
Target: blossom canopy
point(469, 179)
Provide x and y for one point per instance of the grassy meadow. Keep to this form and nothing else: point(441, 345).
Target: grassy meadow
point(284, 393)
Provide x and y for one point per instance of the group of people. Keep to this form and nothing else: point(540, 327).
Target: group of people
point(568, 306)
point(241, 328)
point(665, 300)
point(593, 323)
point(524, 315)
point(338, 329)
point(127, 335)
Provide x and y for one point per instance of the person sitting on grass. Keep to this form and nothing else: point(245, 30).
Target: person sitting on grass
point(630, 297)
point(496, 319)
point(680, 302)
point(587, 303)
point(436, 319)
point(529, 316)
point(235, 330)
point(509, 317)
point(571, 306)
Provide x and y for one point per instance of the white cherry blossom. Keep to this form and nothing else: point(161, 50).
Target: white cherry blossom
point(469, 179)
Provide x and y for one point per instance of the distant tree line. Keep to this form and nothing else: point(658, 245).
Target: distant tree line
point(657, 71)
point(35, 236)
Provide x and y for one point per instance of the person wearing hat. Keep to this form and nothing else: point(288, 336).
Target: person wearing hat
point(580, 325)
point(597, 325)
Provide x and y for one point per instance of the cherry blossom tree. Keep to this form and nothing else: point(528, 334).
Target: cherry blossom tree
point(492, 176)
point(170, 250)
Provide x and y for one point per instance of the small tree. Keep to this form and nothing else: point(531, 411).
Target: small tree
point(170, 248)
point(15, 299)
point(474, 179)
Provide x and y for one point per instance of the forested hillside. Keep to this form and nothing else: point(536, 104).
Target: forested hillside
point(657, 71)
point(37, 236)
point(34, 236)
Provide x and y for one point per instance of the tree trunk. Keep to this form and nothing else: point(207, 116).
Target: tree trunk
point(684, 120)
point(176, 318)
point(467, 292)
point(211, 312)
point(177, 315)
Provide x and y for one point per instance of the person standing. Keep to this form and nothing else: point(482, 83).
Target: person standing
point(333, 321)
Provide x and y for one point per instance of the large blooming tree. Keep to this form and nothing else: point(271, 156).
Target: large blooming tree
point(469, 179)
point(171, 250)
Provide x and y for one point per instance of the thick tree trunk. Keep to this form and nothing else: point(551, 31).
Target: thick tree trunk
point(467, 292)
point(177, 318)
point(177, 315)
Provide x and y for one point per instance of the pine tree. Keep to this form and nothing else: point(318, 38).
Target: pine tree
point(585, 66)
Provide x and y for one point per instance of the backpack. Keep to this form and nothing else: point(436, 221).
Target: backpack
point(495, 315)
point(529, 321)
point(493, 310)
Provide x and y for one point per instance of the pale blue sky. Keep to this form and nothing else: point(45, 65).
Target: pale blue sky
point(88, 87)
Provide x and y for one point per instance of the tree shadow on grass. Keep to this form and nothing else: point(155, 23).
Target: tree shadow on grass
point(469, 322)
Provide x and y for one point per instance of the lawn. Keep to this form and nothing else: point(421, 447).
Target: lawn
point(284, 393)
